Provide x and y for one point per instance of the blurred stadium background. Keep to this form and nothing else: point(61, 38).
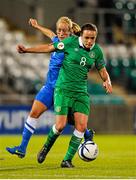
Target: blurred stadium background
point(21, 76)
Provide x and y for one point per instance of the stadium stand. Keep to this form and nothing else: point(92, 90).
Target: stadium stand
point(24, 74)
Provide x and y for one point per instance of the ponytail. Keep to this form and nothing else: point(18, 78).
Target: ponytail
point(76, 29)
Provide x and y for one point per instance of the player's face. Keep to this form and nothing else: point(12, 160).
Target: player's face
point(88, 38)
point(63, 30)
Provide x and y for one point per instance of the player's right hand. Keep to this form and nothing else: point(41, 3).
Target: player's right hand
point(107, 85)
point(33, 22)
point(21, 49)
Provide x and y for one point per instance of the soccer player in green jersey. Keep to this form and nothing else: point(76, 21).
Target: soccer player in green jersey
point(71, 87)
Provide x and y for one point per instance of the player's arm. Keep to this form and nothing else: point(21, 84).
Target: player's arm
point(47, 32)
point(44, 48)
point(106, 79)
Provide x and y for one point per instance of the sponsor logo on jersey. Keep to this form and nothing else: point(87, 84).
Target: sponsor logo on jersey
point(76, 49)
point(58, 109)
point(60, 46)
point(92, 54)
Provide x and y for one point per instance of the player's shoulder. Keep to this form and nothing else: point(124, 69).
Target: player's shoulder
point(98, 48)
point(72, 37)
point(55, 39)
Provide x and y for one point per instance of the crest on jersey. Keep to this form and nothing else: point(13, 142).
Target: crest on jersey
point(92, 54)
point(58, 109)
point(60, 46)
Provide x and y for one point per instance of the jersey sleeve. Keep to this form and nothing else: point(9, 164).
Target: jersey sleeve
point(62, 45)
point(100, 60)
point(55, 39)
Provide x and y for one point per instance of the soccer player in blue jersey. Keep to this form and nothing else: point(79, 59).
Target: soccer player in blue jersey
point(44, 99)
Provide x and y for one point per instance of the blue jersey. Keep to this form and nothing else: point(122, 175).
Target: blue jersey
point(46, 93)
point(56, 60)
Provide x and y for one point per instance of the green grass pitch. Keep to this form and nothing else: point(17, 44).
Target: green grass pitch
point(116, 160)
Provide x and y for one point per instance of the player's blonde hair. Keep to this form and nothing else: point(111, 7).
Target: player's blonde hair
point(76, 28)
point(73, 27)
point(66, 20)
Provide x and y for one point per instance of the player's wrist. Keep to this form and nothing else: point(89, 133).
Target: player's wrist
point(108, 82)
point(27, 50)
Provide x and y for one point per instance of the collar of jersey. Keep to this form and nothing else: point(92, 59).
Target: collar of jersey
point(81, 43)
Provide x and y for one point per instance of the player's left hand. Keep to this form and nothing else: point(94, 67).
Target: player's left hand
point(107, 85)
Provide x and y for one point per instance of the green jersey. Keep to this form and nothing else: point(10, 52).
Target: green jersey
point(76, 64)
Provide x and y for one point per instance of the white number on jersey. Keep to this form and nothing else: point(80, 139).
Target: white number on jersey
point(83, 61)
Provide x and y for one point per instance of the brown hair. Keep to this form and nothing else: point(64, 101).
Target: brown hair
point(89, 26)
